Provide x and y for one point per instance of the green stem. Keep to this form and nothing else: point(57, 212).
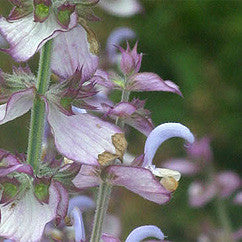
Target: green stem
point(38, 110)
point(221, 209)
point(224, 219)
point(104, 193)
point(124, 98)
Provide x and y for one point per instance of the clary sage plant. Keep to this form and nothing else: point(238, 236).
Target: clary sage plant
point(76, 134)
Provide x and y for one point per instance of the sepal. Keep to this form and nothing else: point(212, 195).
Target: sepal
point(21, 9)
point(64, 13)
point(9, 188)
point(41, 10)
point(41, 189)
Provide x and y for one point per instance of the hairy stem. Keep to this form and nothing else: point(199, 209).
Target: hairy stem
point(104, 193)
point(38, 110)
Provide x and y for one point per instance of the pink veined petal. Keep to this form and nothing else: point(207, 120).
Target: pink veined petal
point(200, 194)
point(185, 167)
point(115, 39)
point(228, 182)
point(160, 134)
point(109, 238)
point(26, 37)
point(143, 232)
point(143, 183)
point(86, 177)
point(18, 104)
point(148, 81)
point(63, 203)
point(121, 8)
point(30, 214)
point(23, 168)
point(71, 51)
point(81, 137)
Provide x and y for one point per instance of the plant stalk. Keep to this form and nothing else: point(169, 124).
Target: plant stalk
point(38, 109)
point(104, 193)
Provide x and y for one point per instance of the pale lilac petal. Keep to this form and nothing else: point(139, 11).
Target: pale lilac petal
point(30, 214)
point(115, 39)
point(200, 194)
point(86, 177)
point(121, 8)
point(144, 232)
point(228, 182)
point(72, 51)
point(109, 238)
point(147, 81)
point(185, 167)
point(26, 37)
point(143, 183)
point(160, 134)
point(81, 202)
point(78, 225)
point(238, 198)
point(81, 137)
point(18, 104)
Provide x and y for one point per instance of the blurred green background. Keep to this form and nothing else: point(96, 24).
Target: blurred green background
point(196, 44)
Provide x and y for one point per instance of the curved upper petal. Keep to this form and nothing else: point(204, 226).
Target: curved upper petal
point(121, 8)
point(26, 37)
point(18, 104)
point(82, 202)
point(78, 225)
point(144, 232)
point(72, 51)
point(143, 182)
point(160, 134)
point(25, 219)
point(81, 137)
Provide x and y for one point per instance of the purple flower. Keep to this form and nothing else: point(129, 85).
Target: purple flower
point(145, 183)
point(80, 137)
point(138, 234)
point(132, 79)
point(44, 20)
point(25, 199)
point(223, 185)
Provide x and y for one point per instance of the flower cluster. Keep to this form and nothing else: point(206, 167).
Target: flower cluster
point(71, 109)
